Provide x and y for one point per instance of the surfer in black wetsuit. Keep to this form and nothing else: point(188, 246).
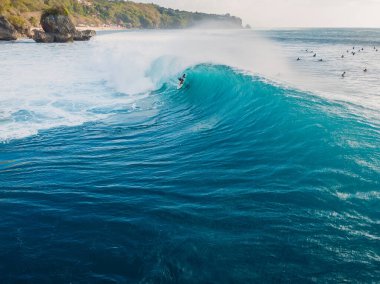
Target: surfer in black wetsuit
point(182, 79)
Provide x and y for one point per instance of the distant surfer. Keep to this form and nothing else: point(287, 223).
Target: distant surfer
point(342, 56)
point(365, 70)
point(344, 74)
point(315, 55)
point(298, 59)
point(320, 60)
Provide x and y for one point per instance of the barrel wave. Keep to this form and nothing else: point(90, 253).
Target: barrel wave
point(231, 179)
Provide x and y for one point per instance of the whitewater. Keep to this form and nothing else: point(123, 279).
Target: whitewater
point(260, 169)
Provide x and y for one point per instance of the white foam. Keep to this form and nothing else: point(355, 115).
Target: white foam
point(371, 195)
point(46, 86)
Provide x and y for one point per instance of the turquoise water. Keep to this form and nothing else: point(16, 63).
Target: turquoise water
point(109, 174)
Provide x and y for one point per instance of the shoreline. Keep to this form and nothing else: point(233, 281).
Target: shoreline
point(100, 28)
point(82, 28)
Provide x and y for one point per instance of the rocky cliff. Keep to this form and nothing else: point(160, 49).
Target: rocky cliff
point(58, 27)
point(25, 13)
point(7, 30)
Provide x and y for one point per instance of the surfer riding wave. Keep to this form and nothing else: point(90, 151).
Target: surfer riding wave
point(181, 81)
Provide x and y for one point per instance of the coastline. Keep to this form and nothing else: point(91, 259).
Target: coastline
point(96, 28)
point(101, 28)
point(82, 28)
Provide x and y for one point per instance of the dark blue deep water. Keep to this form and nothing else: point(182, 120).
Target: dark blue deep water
point(232, 179)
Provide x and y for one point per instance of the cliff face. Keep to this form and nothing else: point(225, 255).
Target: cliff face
point(58, 27)
point(7, 31)
point(25, 13)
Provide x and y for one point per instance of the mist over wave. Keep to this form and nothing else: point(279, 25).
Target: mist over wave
point(136, 62)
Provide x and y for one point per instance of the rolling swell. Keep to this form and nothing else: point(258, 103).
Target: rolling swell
point(230, 179)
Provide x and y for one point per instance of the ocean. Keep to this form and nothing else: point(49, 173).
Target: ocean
point(261, 169)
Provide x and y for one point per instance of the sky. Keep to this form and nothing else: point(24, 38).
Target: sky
point(288, 13)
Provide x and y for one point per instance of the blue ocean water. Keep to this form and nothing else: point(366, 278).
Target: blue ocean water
point(109, 174)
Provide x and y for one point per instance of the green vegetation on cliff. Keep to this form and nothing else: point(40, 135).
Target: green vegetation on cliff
point(23, 13)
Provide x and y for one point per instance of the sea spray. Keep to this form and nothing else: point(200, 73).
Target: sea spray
point(137, 61)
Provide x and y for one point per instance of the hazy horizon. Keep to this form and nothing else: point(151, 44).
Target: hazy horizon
point(291, 13)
